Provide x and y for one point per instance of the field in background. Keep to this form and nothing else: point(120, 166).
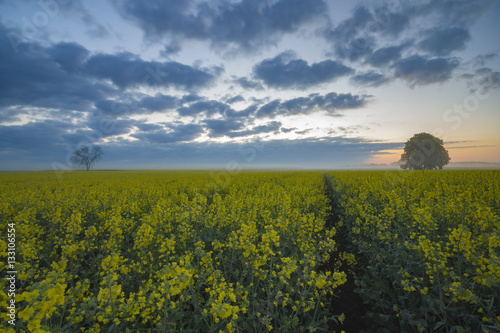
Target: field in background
point(194, 251)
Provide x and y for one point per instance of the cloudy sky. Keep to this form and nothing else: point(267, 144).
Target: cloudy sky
point(246, 83)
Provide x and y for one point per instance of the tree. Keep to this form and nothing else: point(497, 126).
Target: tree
point(86, 157)
point(424, 151)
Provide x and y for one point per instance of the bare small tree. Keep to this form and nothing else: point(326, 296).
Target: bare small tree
point(86, 157)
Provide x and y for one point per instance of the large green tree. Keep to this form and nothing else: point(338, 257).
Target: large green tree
point(424, 151)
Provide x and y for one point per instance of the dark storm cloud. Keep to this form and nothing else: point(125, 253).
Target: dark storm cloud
point(286, 71)
point(126, 69)
point(247, 23)
point(369, 79)
point(330, 102)
point(417, 70)
point(272, 126)
point(442, 42)
point(177, 133)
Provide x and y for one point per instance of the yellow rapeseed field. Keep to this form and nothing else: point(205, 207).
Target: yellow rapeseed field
point(167, 251)
point(428, 243)
point(172, 251)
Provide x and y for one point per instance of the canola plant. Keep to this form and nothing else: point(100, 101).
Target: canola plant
point(427, 244)
point(172, 251)
point(166, 251)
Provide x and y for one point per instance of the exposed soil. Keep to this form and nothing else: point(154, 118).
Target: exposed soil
point(345, 300)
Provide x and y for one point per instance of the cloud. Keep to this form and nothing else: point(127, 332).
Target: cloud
point(482, 59)
point(442, 42)
point(33, 137)
point(159, 102)
point(70, 56)
point(247, 112)
point(286, 71)
point(369, 79)
point(66, 77)
point(245, 24)
point(386, 55)
point(270, 109)
point(137, 104)
point(356, 37)
point(9, 115)
point(76, 7)
point(369, 27)
point(102, 127)
point(120, 107)
point(452, 12)
point(235, 99)
point(178, 133)
point(248, 84)
point(288, 130)
point(417, 70)
point(43, 77)
point(221, 127)
point(330, 103)
point(205, 107)
point(98, 31)
point(128, 70)
point(272, 126)
point(303, 132)
point(482, 81)
point(170, 49)
point(490, 80)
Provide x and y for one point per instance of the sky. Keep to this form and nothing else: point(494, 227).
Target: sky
point(242, 84)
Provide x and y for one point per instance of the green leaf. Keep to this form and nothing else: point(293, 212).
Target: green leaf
point(438, 325)
point(490, 329)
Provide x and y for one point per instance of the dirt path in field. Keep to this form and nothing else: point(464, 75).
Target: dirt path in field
point(345, 299)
